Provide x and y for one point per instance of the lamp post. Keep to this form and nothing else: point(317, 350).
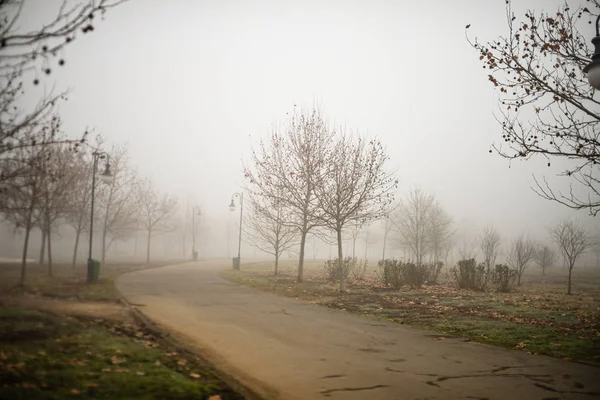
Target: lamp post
point(105, 177)
point(195, 209)
point(593, 68)
point(236, 264)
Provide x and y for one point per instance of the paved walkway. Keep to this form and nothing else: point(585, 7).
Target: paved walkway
point(287, 349)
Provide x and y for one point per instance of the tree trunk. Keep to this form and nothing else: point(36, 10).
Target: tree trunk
point(353, 247)
point(43, 248)
point(383, 251)
point(341, 262)
point(569, 283)
point(519, 277)
point(148, 247)
point(26, 244)
point(49, 234)
point(543, 270)
point(76, 247)
point(276, 264)
point(104, 233)
point(301, 260)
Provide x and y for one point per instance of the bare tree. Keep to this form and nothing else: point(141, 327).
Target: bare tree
point(156, 212)
point(59, 173)
point(573, 240)
point(20, 204)
point(286, 167)
point(440, 232)
point(537, 67)
point(545, 257)
point(468, 249)
point(413, 223)
point(266, 230)
point(489, 244)
point(354, 187)
point(38, 50)
point(118, 201)
point(387, 227)
point(77, 215)
point(520, 255)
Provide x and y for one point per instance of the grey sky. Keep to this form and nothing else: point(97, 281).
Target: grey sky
point(190, 85)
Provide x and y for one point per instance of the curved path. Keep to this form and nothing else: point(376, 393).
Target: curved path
point(287, 349)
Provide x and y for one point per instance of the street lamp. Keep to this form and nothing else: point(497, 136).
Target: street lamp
point(195, 209)
point(236, 264)
point(593, 68)
point(106, 177)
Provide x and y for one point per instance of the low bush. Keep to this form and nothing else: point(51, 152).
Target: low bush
point(504, 278)
point(334, 270)
point(468, 275)
point(397, 273)
point(359, 269)
point(433, 272)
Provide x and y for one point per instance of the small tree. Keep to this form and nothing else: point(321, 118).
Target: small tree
point(413, 223)
point(548, 107)
point(266, 230)
point(286, 168)
point(354, 187)
point(489, 244)
point(156, 212)
point(118, 201)
point(573, 240)
point(520, 255)
point(545, 257)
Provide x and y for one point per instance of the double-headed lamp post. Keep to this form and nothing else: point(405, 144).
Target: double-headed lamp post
point(593, 68)
point(236, 265)
point(195, 211)
point(105, 177)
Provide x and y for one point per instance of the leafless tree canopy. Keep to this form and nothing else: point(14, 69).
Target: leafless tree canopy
point(573, 240)
point(355, 186)
point(265, 228)
point(545, 257)
point(118, 202)
point(156, 211)
point(489, 244)
point(423, 226)
point(39, 50)
point(537, 67)
point(286, 167)
point(520, 255)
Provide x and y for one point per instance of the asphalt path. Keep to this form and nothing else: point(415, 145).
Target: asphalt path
point(282, 348)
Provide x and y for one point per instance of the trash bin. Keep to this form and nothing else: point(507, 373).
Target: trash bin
point(95, 270)
point(236, 263)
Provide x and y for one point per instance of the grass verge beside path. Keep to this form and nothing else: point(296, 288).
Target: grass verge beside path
point(69, 283)
point(47, 356)
point(537, 317)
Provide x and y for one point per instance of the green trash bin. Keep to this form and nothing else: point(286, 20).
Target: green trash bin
point(95, 270)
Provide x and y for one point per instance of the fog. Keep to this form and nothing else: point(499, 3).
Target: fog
point(191, 86)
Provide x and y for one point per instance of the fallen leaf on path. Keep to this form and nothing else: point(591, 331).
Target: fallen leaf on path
point(75, 391)
point(194, 375)
point(181, 362)
point(440, 338)
point(157, 363)
point(140, 373)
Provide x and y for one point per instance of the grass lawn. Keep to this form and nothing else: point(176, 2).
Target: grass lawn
point(46, 356)
point(67, 282)
point(537, 317)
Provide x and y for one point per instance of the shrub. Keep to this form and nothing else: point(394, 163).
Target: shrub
point(504, 278)
point(334, 271)
point(468, 275)
point(359, 269)
point(433, 272)
point(396, 273)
